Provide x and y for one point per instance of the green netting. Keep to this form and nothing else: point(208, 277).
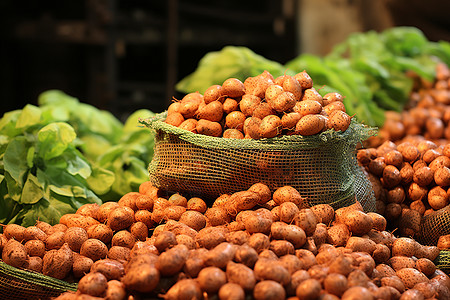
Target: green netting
point(434, 225)
point(442, 262)
point(18, 284)
point(322, 168)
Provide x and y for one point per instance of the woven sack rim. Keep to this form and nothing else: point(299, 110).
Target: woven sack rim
point(37, 279)
point(355, 134)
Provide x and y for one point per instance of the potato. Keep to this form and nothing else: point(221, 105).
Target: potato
point(233, 134)
point(189, 105)
point(75, 237)
point(216, 216)
point(14, 231)
point(333, 106)
point(172, 260)
point(111, 269)
point(193, 219)
point(145, 217)
point(14, 254)
point(230, 105)
point(241, 274)
point(184, 289)
point(287, 212)
point(235, 120)
point(35, 264)
point(358, 222)
point(324, 213)
point(267, 269)
point(309, 289)
point(242, 200)
point(292, 233)
point(290, 120)
point(115, 290)
point(338, 235)
point(211, 279)
point(335, 284)
point(174, 119)
point(220, 255)
point(93, 284)
point(196, 204)
point(94, 249)
point(104, 210)
point(287, 194)
point(268, 289)
point(213, 93)
point(281, 247)
point(357, 292)
point(310, 125)
point(209, 128)
point(195, 262)
point(100, 232)
point(341, 265)
point(270, 126)
point(306, 220)
point(442, 176)
point(411, 277)
point(339, 120)
point(391, 176)
point(231, 291)
point(312, 94)
point(47, 228)
point(142, 279)
point(259, 242)
point(189, 125)
point(291, 84)
point(233, 87)
point(444, 242)
point(308, 107)
point(359, 244)
point(405, 246)
point(178, 228)
point(423, 176)
point(58, 263)
point(81, 265)
point(332, 97)
point(35, 248)
point(119, 253)
point(304, 79)
point(255, 223)
point(212, 111)
point(55, 240)
point(381, 254)
point(120, 218)
point(283, 102)
point(248, 104)
point(34, 233)
point(123, 238)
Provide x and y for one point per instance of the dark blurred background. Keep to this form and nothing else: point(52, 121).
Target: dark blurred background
point(125, 55)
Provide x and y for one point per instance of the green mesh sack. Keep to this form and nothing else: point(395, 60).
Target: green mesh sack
point(442, 262)
point(434, 225)
point(18, 284)
point(323, 168)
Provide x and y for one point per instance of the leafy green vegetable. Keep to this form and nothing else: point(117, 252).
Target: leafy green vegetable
point(53, 158)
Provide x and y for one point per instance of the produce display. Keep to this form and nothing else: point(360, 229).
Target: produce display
point(410, 168)
point(80, 208)
point(371, 69)
point(268, 246)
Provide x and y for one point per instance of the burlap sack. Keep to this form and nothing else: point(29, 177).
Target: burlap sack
point(323, 168)
point(18, 284)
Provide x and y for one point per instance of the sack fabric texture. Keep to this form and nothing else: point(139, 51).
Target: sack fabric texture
point(323, 167)
point(18, 284)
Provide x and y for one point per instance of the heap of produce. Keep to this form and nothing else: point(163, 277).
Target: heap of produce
point(260, 107)
point(250, 243)
point(409, 162)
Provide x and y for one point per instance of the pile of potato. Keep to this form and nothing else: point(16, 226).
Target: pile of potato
point(410, 180)
point(251, 244)
point(260, 107)
point(427, 114)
